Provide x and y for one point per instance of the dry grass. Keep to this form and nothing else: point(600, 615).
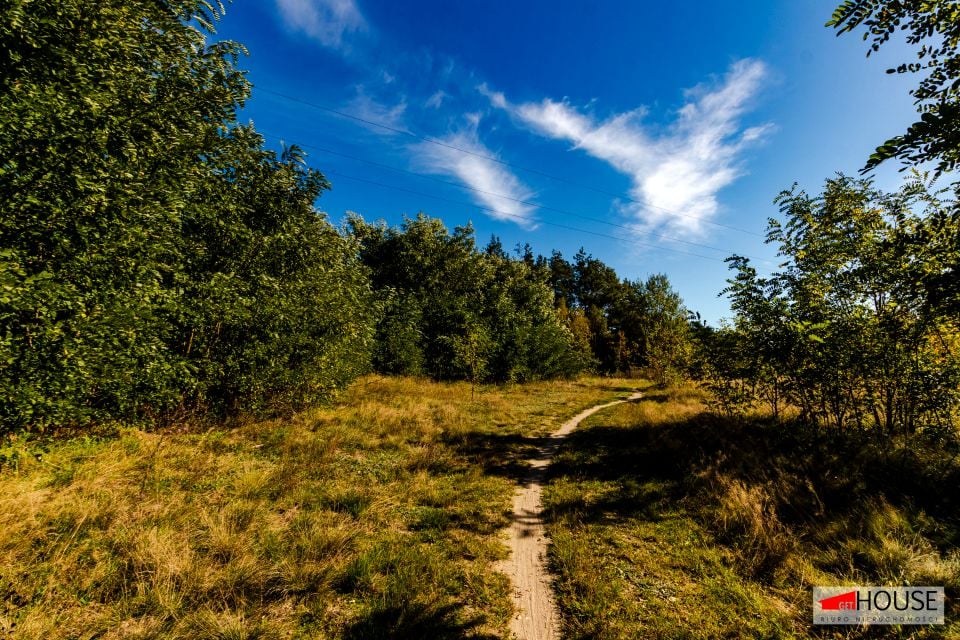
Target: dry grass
point(380, 516)
point(669, 522)
point(376, 516)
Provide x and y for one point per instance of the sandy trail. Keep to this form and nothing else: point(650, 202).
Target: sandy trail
point(536, 617)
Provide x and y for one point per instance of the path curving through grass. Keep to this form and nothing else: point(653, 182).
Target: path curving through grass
point(536, 615)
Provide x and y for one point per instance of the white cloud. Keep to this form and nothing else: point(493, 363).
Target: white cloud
point(326, 21)
point(365, 107)
point(386, 77)
point(480, 173)
point(496, 98)
point(496, 188)
point(681, 168)
point(436, 99)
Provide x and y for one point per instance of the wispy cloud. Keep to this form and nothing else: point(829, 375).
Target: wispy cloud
point(496, 98)
point(365, 107)
point(460, 155)
point(475, 169)
point(436, 99)
point(680, 168)
point(326, 21)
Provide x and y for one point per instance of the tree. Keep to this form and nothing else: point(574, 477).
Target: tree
point(579, 327)
point(106, 110)
point(273, 300)
point(666, 331)
point(933, 26)
point(532, 340)
point(595, 283)
point(153, 256)
point(842, 332)
point(562, 279)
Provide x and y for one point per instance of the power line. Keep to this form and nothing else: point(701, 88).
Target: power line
point(460, 185)
point(440, 143)
point(513, 215)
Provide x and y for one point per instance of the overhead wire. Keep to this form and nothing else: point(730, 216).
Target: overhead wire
point(467, 187)
point(517, 216)
point(446, 145)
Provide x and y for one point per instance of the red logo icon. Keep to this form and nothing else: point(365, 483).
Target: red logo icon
point(843, 602)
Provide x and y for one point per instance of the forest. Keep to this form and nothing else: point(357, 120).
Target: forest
point(158, 260)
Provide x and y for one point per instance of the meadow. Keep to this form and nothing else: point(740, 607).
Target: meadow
point(382, 514)
point(379, 514)
point(192, 444)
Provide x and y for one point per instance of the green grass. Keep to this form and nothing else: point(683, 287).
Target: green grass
point(669, 522)
point(377, 516)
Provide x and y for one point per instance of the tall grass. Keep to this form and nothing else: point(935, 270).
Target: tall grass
point(670, 522)
point(376, 516)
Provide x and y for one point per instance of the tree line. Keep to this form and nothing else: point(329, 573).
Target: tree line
point(156, 259)
point(451, 310)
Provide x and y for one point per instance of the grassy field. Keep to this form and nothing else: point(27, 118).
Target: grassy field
point(381, 516)
point(669, 522)
point(377, 516)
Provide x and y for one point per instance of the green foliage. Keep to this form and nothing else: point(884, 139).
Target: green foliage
point(933, 27)
point(665, 329)
point(104, 111)
point(627, 324)
point(152, 255)
point(277, 309)
point(843, 333)
point(454, 312)
point(398, 342)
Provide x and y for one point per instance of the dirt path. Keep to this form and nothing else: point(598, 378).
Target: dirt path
point(536, 617)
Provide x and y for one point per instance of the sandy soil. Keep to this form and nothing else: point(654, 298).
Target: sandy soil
point(536, 617)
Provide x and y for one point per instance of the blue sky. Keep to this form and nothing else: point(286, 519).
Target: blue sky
point(653, 135)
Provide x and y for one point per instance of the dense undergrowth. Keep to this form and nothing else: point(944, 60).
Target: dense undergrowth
point(670, 522)
point(378, 516)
